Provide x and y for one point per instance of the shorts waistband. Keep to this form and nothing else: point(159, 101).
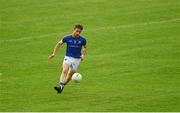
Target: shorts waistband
point(73, 57)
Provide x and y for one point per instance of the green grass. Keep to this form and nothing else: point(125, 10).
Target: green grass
point(133, 62)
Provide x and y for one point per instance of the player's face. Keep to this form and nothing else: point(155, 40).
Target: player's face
point(77, 32)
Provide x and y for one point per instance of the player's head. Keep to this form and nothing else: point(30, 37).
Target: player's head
point(77, 30)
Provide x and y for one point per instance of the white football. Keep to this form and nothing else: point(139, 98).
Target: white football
point(77, 77)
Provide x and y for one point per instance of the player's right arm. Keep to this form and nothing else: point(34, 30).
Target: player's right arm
point(58, 45)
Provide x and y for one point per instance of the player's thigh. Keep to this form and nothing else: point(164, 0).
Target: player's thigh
point(65, 67)
point(66, 64)
point(71, 72)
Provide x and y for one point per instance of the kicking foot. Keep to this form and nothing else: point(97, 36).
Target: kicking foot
point(58, 89)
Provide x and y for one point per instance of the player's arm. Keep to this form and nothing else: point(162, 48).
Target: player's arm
point(84, 51)
point(58, 45)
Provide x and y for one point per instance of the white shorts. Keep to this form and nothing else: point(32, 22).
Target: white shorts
point(72, 62)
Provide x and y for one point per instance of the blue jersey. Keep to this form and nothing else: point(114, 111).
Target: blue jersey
point(74, 45)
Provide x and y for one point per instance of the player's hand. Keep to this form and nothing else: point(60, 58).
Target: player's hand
point(51, 57)
point(82, 57)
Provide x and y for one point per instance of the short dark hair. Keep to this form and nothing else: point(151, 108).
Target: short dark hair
point(78, 26)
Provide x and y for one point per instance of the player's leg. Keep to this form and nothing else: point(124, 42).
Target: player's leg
point(65, 70)
point(74, 66)
point(62, 79)
point(69, 75)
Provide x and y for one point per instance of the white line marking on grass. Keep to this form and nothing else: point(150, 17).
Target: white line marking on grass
point(137, 25)
point(34, 37)
point(100, 28)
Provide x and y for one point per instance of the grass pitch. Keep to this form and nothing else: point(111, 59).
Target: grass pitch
point(133, 62)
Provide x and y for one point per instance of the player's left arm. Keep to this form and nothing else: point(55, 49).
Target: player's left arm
point(84, 51)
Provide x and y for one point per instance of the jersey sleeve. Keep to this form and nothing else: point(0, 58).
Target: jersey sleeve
point(84, 42)
point(64, 39)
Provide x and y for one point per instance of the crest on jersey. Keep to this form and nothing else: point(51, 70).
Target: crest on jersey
point(70, 40)
point(79, 42)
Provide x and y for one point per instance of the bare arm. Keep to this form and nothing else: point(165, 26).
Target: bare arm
point(84, 51)
point(58, 45)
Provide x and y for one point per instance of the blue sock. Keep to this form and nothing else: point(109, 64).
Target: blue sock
point(62, 84)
